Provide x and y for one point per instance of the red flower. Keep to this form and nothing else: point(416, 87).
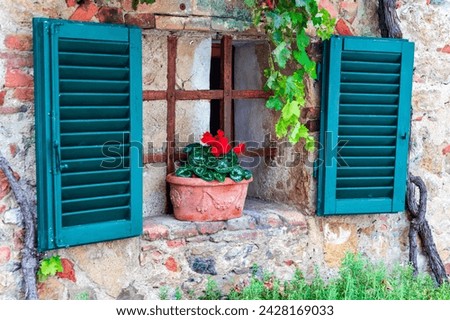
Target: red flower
point(240, 148)
point(270, 4)
point(207, 138)
point(219, 144)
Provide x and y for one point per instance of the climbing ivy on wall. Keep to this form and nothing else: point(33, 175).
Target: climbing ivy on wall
point(286, 23)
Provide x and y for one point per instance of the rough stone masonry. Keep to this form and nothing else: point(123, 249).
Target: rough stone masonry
point(280, 238)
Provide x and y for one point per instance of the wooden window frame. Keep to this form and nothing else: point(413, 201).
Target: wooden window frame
point(226, 95)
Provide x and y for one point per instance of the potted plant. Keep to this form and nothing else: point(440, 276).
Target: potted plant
point(210, 185)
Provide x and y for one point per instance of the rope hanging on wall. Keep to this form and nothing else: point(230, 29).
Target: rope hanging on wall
point(390, 28)
point(28, 209)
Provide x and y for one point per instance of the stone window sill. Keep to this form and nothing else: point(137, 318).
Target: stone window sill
point(257, 216)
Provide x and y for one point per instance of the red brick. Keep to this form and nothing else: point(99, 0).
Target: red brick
point(445, 49)
point(10, 110)
point(68, 270)
point(71, 3)
point(446, 150)
point(349, 10)
point(85, 12)
point(127, 5)
point(176, 243)
point(13, 149)
point(289, 262)
point(210, 227)
point(343, 28)
point(16, 61)
point(5, 254)
point(313, 125)
point(2, 97)
point(447, 268)
point(172, 265)
point(22, 42)
point(143, 20)
point(326, 4)
point(185, 232)
point(18, 78)
point(154, 232)
point(24, 94)
point(110, 15)
point(4, 184)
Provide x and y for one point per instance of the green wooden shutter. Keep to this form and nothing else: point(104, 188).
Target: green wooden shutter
point(88, 109)
point(365, 123)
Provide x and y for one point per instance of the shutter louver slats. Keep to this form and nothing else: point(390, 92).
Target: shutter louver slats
point(98, 189)
point(360, 174)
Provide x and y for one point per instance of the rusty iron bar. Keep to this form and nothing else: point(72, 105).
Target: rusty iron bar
point(171, 101)
point(227, 79)
point(149, 95)
point(199, 95)
point(250, 94)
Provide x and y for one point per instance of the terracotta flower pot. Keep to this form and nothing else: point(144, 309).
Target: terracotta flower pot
point(194, 199)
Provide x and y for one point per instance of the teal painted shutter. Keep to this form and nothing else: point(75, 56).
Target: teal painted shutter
point(88, 109)
point(365, 121)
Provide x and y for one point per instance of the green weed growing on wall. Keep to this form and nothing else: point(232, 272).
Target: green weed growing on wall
point(49, 267)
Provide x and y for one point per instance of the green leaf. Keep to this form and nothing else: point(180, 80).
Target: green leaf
point(185, 172)
point(208, 175)
point(277, 37)
point(257, 17)
point(247, 174)
point(300, 3)
point(303, 59)
point(223, 166)
point(219, 176)
point(310, 143)
point(49, 267)
point(250, 3)
point(281, 54)
point(290, 110)
point(293, 87)
point(281, 128)
point(199, 171)
point(271, 80)
point(237, 174)
point(275, 103)
point(299, 131)
point(232, 158)
point(190, 147)
point(302, 39)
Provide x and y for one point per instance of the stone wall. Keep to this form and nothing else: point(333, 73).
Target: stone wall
point(279, 237)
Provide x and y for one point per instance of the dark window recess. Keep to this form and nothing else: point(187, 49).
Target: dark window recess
point(215, 84)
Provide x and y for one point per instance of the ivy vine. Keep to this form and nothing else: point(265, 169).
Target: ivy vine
point(285, 23)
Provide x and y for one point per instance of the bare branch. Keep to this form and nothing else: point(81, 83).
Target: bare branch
point(27, 207)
